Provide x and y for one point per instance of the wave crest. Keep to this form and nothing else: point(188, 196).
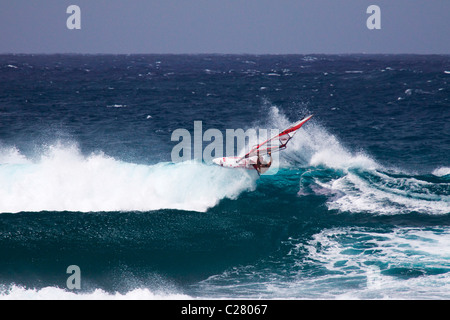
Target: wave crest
point(51, 293)
point(64, 179)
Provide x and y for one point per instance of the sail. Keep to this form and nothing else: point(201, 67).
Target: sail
point(277, 142)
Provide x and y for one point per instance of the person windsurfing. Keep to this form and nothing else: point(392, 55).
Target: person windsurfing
point(262, 165)
point(256, 158)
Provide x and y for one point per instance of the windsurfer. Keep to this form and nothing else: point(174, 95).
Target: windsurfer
point(262, 163)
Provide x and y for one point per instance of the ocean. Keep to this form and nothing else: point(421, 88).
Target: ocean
point(359, 207)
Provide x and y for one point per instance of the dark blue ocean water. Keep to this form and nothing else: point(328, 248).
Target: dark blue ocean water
point(359, 206)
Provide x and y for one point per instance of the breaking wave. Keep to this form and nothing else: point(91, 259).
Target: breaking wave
point(63, 179)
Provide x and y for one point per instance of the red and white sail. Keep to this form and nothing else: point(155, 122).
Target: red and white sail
point(277, 142)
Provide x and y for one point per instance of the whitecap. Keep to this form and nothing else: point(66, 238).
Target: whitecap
point(442, 171)
point(117, 106)
point(15, 292)
point(63, 179)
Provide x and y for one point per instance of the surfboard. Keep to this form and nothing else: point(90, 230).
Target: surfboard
point(236, 162)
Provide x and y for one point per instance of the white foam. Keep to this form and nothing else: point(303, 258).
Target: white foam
point(55, 293)
point(353, 253)
point(12, 155)
point(401, 247)
point(117, 106)
point(65, 180)
point(442, 171)
point(315, 145)
point(329, 152)
point(388, 196)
